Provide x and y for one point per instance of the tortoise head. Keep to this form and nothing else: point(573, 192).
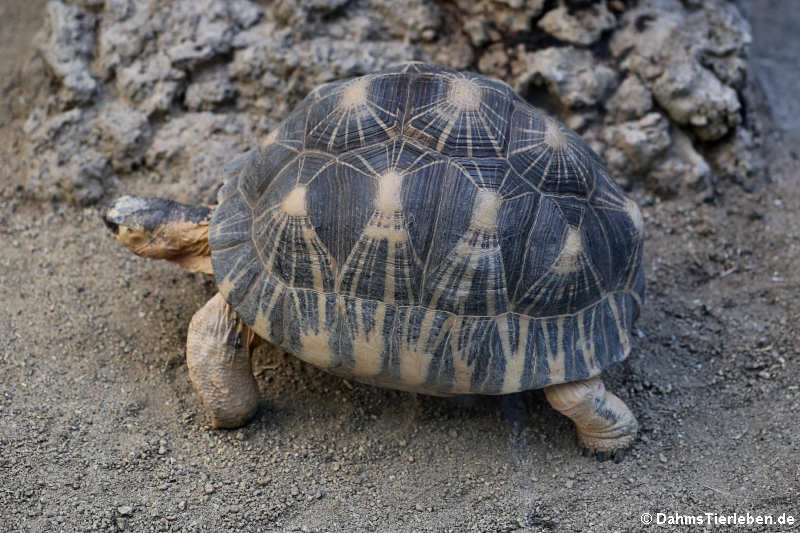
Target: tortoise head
point(161, 229)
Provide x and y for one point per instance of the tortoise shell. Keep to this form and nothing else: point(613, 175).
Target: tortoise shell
point(428, 230)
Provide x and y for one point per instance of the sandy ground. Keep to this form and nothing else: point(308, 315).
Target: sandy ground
point(100, 429)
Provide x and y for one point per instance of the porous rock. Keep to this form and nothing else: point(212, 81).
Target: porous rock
point(60, 161)
point(188, 153)
point(641, 141)
point(170, 91)
point(490, 20)
point(658, 43)
point(124, 134)
point(572, 75)
point(127, 28)
point(211, 90)
point(151, 83)
point(631, 100)
point(68, 49)
point(737, 158)
point(578, 26)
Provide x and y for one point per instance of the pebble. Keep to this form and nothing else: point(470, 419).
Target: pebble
point(125, 510)
point(209, 488)
point(662, 458)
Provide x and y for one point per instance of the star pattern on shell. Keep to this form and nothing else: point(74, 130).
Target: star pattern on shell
point(429, 229)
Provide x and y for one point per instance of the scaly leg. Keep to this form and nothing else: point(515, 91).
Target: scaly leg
point(218, 350)
point(605, 424)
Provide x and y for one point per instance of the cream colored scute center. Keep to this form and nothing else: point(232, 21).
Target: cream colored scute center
point(636, 215)
point(465, 95)
point(568, 258)
point(389, 192)
point(485, 210)
point(553, 136)
point(355, 94)
point(294, 204)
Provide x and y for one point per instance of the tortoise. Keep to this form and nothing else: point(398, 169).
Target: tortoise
point(421, 229)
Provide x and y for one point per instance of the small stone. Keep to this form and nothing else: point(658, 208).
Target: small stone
point(125, 510)
point(570, 483)
point(764, 375)
point(662, 458)
point(419, 507)
point(208, 488)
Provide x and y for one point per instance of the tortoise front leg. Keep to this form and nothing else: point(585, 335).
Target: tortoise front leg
point(605, 424)
point(218, 351)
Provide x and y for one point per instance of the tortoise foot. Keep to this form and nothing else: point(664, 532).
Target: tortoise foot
point(218, 350)
point(606, 427)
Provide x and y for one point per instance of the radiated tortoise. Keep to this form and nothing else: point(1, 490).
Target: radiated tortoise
point(421, 229)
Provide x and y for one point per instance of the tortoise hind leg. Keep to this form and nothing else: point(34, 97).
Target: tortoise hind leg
point(218, 351)
point(605, 424)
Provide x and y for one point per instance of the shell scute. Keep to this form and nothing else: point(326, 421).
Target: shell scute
point(457, 115)
point(360, 112)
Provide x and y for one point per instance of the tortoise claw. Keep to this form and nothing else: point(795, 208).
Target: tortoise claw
point(617, 456)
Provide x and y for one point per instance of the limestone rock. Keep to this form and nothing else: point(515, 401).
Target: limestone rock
point(127, 28)
point(213, 89)
point(656, 43)
point(60, 163)
point(68, 50)
point(632, 100)
point(124, 134)
point(166, 93)
point(190, 152)
point(571, 75)
point(737, 158)
point(490, 20)
point(579, 26)
point(151, 83)
point(639, 142)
